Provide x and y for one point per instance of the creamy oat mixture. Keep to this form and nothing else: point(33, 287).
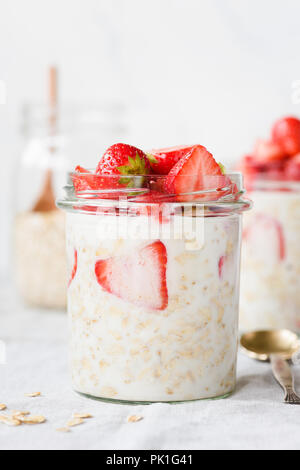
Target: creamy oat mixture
point(183, 350)
point(270, 275)
point(40, 261)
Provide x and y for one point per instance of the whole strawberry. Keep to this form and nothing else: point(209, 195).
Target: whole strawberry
point(286, 133)
point(123, 159)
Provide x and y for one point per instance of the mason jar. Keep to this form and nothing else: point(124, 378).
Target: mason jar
point(270, 279)
point(153, 290)
point(54, 140)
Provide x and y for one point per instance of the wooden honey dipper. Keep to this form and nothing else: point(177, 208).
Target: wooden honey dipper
point(46, 199)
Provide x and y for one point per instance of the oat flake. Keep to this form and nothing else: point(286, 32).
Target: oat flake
point(82, 415)
point(75, 422)
point(134, 418)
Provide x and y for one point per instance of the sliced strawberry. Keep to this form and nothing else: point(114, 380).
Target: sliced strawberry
point(163, 160)
point(221, 264)
point(74, 269)
point(123, 159)
point(292, 169)
point(84, 180)
point(286, 133)
point(267, 151)
point(138, 278)
point(266, 238)
point(92, 186)
point(254, 169)
point(196, 171)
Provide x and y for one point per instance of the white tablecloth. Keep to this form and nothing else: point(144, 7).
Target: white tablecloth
point(36, 345)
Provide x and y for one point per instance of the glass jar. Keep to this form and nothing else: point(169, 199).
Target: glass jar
point(55, 140)
point(153, 290)
point(270, 277)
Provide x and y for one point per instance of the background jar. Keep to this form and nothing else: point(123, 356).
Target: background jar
point(270, 275)
point(55, 139)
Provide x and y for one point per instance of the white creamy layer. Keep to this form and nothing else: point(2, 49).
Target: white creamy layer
point(270, 276)
point(185, 352)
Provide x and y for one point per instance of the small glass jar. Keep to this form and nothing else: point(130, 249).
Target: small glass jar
point(55, 139)
point(270, 276)
point(154, 291)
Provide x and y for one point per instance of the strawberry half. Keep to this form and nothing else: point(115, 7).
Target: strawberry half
point(84, 180)
point(286, 133)
point(195, 172)
point(292, 169)
point(123, 159)
point(74, 269)
point(163, 160)
point(266, 239)
point(268, 151)
point(221, 263)
point(138, 278)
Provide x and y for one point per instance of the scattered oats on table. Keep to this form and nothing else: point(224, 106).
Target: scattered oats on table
point(134, 418)
point(33, 395)
point(65, 429)
point(32, 419)
point(82, 415)
point(75, 422)
point(17, 414)
point(9, 420)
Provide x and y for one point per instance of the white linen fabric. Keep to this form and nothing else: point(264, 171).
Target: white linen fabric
point(254, 417)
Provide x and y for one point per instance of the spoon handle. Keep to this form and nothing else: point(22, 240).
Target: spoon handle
point(283, 374)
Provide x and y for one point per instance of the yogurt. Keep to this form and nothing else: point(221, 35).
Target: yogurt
point(176, 346)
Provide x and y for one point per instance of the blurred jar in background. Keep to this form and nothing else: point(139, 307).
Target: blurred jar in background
point(270, 280)
point(55, 141)
point(270, 274)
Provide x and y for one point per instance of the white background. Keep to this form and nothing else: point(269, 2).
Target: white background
point(215, 72)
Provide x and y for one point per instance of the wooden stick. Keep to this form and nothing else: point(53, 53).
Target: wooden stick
point(46, 199)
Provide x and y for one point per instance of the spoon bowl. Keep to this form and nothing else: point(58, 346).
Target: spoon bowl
point(261, 345)
point(278, 346)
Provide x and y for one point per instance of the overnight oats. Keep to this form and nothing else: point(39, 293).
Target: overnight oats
point(153, 243)
point(270, 277)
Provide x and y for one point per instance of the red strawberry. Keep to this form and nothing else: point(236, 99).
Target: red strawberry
point(266, 238)
point(84, 180)
point(286, 133)
point(292, 169)
point(266, 151)
point(163, 160)
point(221, 263)
point(196, 171)
point(74, 269)
point(138, 278)
point(123, 159)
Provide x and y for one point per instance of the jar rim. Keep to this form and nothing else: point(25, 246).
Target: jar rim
point(268, 183)
point(223, 193)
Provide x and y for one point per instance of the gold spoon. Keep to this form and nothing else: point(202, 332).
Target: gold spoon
point(278, 346)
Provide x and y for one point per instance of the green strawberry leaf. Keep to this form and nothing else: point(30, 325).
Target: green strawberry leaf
point(222, 167)
point(151, 158)
point(135, 166)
